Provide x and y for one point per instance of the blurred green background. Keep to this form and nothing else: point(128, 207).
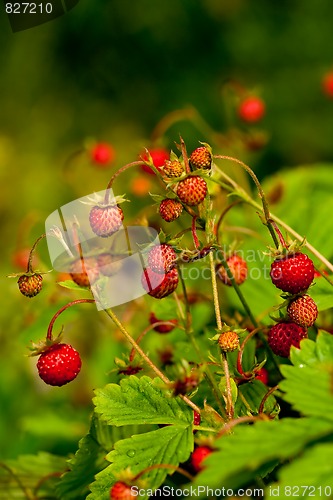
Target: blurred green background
point(110, 71)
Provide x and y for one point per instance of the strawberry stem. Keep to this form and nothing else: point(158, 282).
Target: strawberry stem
point(260, 191)
point(144, 356)
point(115, 175)
point(184, 155)
point(194, 234)
point(146, 330)
point(240, 370)
point(32, 251)
point(280, 235)
point(62, 309)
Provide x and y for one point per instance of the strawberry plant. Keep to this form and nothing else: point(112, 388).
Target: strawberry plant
point(218, 387)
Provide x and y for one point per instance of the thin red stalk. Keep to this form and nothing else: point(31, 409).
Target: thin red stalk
point(62, 309)
point(120, 171)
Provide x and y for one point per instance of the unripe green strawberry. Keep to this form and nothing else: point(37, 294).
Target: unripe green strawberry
point(198, 457)
point(59, 364)
point(158, 289)
point(192, 190)
point(30, 285)
point(80, 269)
point(303, 311)
point(228, 341)
point(170, 209)
point(162, 258)
point(172, 168)
point(283, 335)
point(238, 268)
point(293, 273)
point(201, 158)
point(105, 221)
point(121, 491)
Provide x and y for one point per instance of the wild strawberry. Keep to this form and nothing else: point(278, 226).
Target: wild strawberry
point(30, 284)
point(170, 209)
point(121, 491)
point(327, 84)
point(59, 364)
point(262, 374)
point(228, 341)
point(201, 158)
point(198, 456)
point(238, 268)
point(172, 168)
point(251, 109)
point(192, 190)
point(140, 186)
point(283, 335)
point(162, 258)
point(105, 221)
point(303, 311)
point(196, 418)
point(158, 155)
point(102, 154)
point(153, 285)
point(293, 273)
point(85, 271)
point(162, 328)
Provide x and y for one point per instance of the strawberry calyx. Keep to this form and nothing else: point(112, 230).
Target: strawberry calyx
point(38, 348)
point(99, 201)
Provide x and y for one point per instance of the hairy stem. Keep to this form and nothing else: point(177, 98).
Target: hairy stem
point(32, 251)
point(61, 310)
point(144, 356)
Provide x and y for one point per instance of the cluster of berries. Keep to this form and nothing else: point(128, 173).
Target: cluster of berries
point(293, 274)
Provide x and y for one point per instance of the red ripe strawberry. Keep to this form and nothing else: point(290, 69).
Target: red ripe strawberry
point(201, 158)
point(198, 456)
point(293, 273)
point(238, 268)
point(192, 190)
point(162, 258)
point(172, 168)
point(59, 364)
point(121, 491)
point(251, 109)
point(303, 311)
point(153, 285)
point(158, 155)
point(79, 272)
point(283, 335)
point(30, 285)
point(196, 418)
point(102, 154)
point(328, 84)
point(262, 374)
point(170, 209)
point(162, 328)
point(105, 221)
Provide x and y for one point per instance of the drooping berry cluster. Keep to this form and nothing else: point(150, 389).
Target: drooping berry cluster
point(293, 273)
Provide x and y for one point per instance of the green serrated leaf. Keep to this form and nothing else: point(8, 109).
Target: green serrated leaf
point(27, 470)
point(223, 388)
point(141, 401)
point(250, 397)
point(251, 448)
point(72, 286)
point(170, 445)
point(308, 385)
point(310, 476)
